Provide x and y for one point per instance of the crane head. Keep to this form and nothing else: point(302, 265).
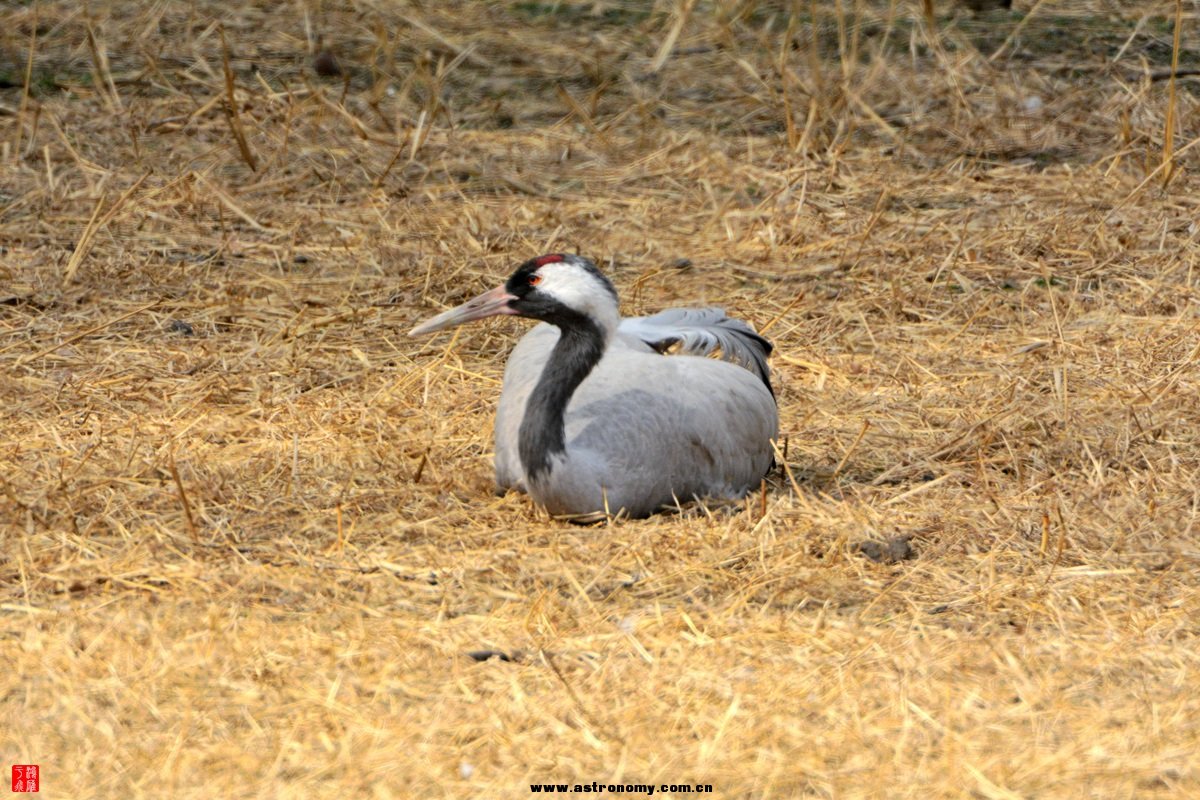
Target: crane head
point(556, 288)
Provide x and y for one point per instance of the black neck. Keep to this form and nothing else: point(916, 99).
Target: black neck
point(542, 434)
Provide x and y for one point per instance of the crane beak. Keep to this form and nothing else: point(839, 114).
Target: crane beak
point(489, 304)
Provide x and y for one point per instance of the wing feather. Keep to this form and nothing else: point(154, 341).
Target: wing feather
point(701, 332)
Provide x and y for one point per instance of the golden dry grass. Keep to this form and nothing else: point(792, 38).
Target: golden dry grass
point(249, 538)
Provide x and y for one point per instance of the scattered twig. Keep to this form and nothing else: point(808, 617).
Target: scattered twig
point(232, 113)
point(94, 226)
point(183, 499)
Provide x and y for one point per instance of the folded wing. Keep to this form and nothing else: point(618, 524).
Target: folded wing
point(703, 332)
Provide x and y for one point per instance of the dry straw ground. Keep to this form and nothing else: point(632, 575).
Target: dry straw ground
point(248, 536)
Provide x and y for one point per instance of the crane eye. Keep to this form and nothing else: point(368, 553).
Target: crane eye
point(535, 279)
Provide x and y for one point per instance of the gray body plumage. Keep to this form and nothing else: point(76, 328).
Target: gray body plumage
point(645, 430)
